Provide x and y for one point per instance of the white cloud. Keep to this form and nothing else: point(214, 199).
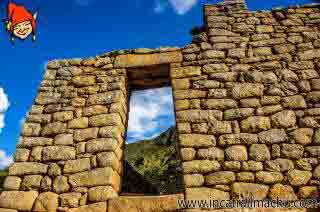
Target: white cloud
point(146, 109)
point(5, 160)
point(182, 6)
point(4, 105)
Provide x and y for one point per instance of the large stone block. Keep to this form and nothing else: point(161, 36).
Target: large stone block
point(138, 60)
point(27, 168)
point(108, 159)
point(85, 134)
point(59, 153)
point(273, 136)
point(249, 190)
point(284, 119)
point(12, 183)
point(220, 178)
point(105, 98)
point(206, 194)
point(198, 116)
point(18, 200)
point(282, 192)
point(101, 193)
point(197, 140)
point(75, 166)
point(212, 153)
point(255, 124)
point(95, 207)
point(31, 129)
point(236, 153)
point(70, 199)
point(265, 177)
point(220, 104)
point(112, 119)
point(96, 177)
point(54, 128)
point(81, 81)
point(193, 180)
point(245, 90)
point(47, 201)
point(298, 177)
point(186, 71)
point(259, 152)
point(101, 145)
point(200, 166)
point(31, 182)
point(60, 184)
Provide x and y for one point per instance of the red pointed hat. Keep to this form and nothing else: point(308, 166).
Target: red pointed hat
point(18, 14)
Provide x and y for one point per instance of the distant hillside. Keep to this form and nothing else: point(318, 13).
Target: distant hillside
point(156, 161)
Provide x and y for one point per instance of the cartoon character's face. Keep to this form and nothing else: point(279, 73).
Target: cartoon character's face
point(22, 30)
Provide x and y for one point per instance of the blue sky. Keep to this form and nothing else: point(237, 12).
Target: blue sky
point(82, 28)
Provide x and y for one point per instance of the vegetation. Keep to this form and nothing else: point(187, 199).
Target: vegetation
point(156, 161)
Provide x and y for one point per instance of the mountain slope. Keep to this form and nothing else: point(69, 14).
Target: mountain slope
point(156, 161)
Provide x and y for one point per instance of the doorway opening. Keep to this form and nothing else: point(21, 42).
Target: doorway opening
point(152, 165)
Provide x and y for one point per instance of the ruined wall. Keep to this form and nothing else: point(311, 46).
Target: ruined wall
point(248, 105)
point(246, 95)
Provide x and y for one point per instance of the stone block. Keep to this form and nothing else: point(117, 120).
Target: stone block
point(302, 136)
point(112, 119)
point(79, 123)
point(85, 134)
point(205, 193)
point(292, 151)
point(95, 110)
point(31, 182)
point(53, 129)
point(101, 145)
point(186, 71)
point(63, 139)
point(75, 166)
point(249, 190)
point(46, 201)
point(60, 184)
point(12, 183)
point(236, 153)
point(220, 104)
point(101, 193)
point(70, 200)
point(96, 177)
point(265, 177)
point(282, 192)
point(298, 177)
point(108, 159)
point(212, 153)
point(200, 166)
point(27, 168)
point(18, 200)
point(259, 152)
point(220, 178)
point(245, 90)
point(255, 124)
point(193, 180)
point(197, 140)
point(52, 153)
point(63, 116)
point(273, 136)
point(31, 129)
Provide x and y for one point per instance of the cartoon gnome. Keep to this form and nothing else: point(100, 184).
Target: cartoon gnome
point(20, 23)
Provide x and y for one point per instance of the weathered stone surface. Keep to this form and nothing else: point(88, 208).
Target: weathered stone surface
point(215, 68)
point(187, 71)
point(259, 152)
point(255, 124)
point(269, 177)
point(246, 90)
point(108, 159)
point(59, 153)
point(249, 190)
point(70, 199)
point(219, 104)
point(142, 204)
point(242, 138)
point(105, 120)
point(282, 192)
point(86, 134)
point(31, 129)
point(198, 116)
point(273, 136)
point(101, 145)
point(200, 166)
point(47, 201)
point(302, 136)
point(75, 166)
point(247, 177)
point(31, 182)
point(237, 153)
point(219, 178)
point(308, 192)
point(78, 123)
point(18, 200)
point(293, 151)
point(294, 102)
point(203, 193)
point(284, 119)
point(12, 183)
point(63, 139)
point(96, 177)
point(252, 166)
point(136, 60)
point(102, 193)
point(60, 184)
point(233, 114)
point(212, 153)
point(95, 207)
point(54, 128)
point(197, 140)
point(298, 177)
point(27, 168)
point(187, 154)
point(193, 180)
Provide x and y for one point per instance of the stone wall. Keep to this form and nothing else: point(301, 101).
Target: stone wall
point(247, 103)
point(246, 95)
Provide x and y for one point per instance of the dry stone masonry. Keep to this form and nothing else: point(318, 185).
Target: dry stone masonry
point(247, 103)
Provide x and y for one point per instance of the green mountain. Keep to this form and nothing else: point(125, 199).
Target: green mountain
point(156, 162)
